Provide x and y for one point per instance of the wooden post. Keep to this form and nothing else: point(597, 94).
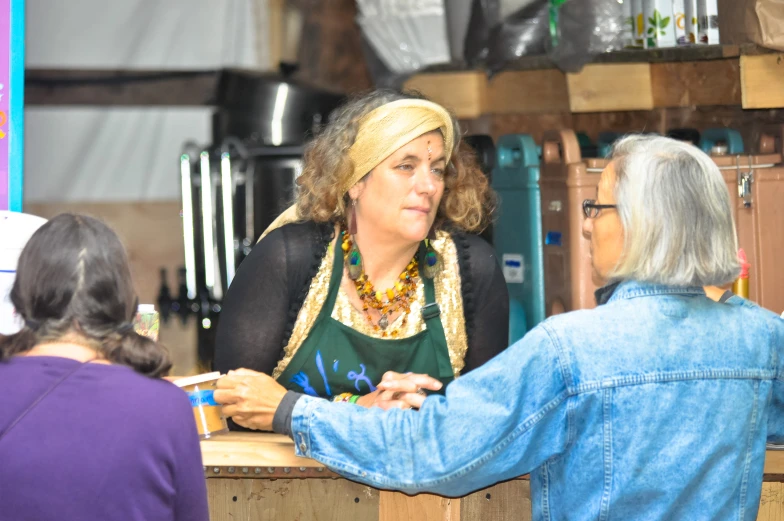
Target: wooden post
point(394, 506)
point(276, 32)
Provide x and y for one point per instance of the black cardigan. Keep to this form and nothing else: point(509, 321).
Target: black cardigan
point(267, 293)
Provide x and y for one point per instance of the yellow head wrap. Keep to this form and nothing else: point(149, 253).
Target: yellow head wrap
point(381, 132)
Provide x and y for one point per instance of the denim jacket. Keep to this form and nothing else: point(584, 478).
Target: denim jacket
point(655, 405)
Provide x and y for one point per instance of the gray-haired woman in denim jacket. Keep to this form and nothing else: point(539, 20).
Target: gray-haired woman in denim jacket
point(655, 405)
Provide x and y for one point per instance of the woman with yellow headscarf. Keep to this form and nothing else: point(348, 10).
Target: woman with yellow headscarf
point(375, 268)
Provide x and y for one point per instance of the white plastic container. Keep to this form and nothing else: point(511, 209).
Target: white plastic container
point(708, 21)
point(691, 20)
point(685, 21)
point(659, 23)
point(628, 23)
point(15, 230)
point(638, 20)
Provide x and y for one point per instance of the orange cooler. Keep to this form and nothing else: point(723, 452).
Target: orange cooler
point(756, 187)
point(565, 182)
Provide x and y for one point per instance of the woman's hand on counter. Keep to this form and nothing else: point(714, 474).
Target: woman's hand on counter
point(249, 398)
point(401, 391)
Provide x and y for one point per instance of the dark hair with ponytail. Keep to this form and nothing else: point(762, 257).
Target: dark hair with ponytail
point(73, 278)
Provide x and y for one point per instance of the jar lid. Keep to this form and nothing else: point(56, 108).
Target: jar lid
point(146, 308)
point(198, 379)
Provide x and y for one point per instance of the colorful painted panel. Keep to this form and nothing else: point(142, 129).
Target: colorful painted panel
point(11, 103)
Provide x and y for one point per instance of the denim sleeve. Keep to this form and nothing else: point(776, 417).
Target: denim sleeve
point(497, 422)
point(776, 416)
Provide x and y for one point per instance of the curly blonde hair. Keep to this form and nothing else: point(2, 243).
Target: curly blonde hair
point(468, 199)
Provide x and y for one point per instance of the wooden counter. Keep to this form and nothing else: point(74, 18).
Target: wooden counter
point(257, 477)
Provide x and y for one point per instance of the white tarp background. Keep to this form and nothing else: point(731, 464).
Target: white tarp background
point(128, 154)
point(97, 154)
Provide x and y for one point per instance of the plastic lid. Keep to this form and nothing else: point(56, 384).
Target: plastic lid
point(146, 308)
point(744, 264)
point(198, 379)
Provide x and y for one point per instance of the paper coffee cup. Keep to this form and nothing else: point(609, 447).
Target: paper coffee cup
point(208, 414)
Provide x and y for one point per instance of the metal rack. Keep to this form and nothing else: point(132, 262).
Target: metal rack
point(235, 187)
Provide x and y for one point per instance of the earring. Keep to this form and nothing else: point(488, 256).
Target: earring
point(352, 218)
point(354, 258)
point(432, 260)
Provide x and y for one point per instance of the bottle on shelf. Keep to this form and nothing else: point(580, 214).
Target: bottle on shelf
point(164, 298)
point(741, 285)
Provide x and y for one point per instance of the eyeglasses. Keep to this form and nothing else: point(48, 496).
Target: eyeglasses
point(591, 209)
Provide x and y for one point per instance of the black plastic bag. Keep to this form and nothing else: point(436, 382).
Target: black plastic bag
point(584, 29)
point(485, 15)
point(523, 33)
point(571, 33)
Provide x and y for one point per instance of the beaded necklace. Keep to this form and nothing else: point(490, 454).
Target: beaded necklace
point(397, 298)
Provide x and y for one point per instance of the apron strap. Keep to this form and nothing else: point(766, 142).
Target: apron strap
point(335, 279)
point(431, 314)
point(430, 311)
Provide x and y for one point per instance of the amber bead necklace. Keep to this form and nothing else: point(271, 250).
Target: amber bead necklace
point(397, 298)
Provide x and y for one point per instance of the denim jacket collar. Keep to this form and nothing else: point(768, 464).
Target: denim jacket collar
point(628, 289)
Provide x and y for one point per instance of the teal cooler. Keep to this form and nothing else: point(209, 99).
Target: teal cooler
point(587, 148)
point(605, 143)
point(517, 232)
point(721, 141)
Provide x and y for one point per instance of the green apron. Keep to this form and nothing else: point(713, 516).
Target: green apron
point(336, 359)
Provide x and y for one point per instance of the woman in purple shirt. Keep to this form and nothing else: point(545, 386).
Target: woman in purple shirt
point(88, 429)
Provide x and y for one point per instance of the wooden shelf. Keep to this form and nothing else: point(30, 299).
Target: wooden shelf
point(120, 87)
point(712, 75)
point(662, 55)
point(229, 87)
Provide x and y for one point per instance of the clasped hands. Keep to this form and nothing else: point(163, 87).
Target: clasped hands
point(251, 398)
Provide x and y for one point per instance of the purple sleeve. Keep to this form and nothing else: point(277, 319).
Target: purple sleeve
point(189, 477)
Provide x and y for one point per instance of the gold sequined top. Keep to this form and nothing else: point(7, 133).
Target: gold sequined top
point(448, 296)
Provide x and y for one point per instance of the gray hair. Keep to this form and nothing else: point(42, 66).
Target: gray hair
point(676, 214)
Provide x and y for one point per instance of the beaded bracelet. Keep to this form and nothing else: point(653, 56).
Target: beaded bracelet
point(346, 397)
point(342, 397)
